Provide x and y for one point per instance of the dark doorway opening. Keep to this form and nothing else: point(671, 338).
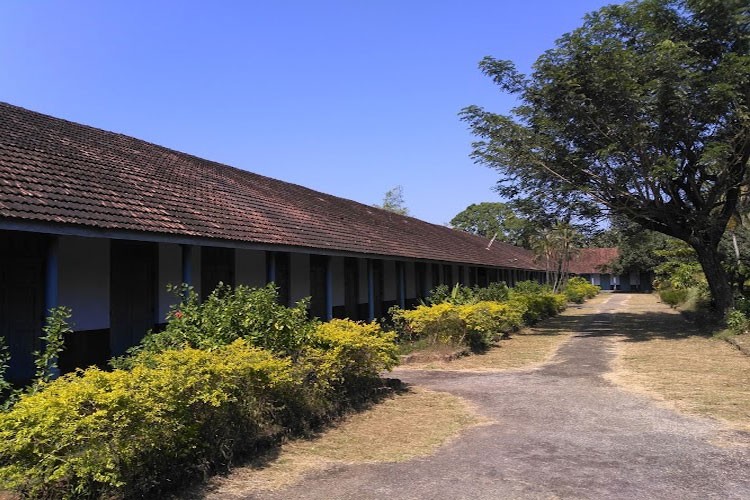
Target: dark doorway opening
point(133, 283)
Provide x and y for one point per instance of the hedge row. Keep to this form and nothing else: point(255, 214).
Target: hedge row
point(459, 318)
point(188, 400)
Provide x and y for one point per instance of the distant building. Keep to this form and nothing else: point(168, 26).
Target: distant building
point(592, 264)
point(102, 222)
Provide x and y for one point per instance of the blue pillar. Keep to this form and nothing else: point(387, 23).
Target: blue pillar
point(187, 264)
point(370, 291)
point(329, 289)
point(51, 281)
point(270, 267)
point(401, 274)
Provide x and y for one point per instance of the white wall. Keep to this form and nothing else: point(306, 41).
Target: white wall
point(337, 271)
point(170, 272)
point(250, 267)
point(299, 264)
point(389, 280)
point(84, 281)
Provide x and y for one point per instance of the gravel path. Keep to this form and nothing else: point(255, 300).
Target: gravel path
point(559, 431)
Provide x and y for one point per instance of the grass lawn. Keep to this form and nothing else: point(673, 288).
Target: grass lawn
point(683, 366)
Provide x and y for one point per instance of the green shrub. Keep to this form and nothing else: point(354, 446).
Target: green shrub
point(494, 292)
point(344, 355)
point(459, 294)
point(124, 433)
point(488, 321)
point(476, 325)
point(225, 377)
point(578, 289)
point(737, 321)
point(253, 314)
point(439, 323)
point(537, 300)
point(55, 328)
point(673, 296)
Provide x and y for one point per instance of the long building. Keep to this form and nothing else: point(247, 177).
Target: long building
point(102, 223)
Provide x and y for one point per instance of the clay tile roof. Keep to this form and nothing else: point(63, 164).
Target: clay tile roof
point(56, 171)
point(592, 260)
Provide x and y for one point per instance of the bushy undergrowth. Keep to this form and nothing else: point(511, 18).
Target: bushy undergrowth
point(673, 296)
point(476, 317)
point(253, 314)
point(186, 402)
point(578, 289)
point(738, 319)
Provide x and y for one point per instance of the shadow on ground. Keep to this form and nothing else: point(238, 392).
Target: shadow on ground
point(632, 326)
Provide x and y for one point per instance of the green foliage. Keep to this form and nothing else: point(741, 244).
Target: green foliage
point(577, 290)
point(487, 322)
point(186, 402)
point(439, 323)
point(643, 110)
point(344, 352)
point(121, 433)
point(462, 294)
point(494, 292)
point(253, 314)
point(55, 328)
point(459, 294)
point(5, 386)
point(738, 322)
point(393, 201)
point(673, 296)
point(494, 218)
point(477, 316)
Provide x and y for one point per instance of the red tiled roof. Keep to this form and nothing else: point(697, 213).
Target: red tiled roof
point(53, 170)
point(592, 260)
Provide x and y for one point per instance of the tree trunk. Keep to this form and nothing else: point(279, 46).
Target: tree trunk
point(718, 279)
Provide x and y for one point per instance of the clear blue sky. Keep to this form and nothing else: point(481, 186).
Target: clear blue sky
point(348, 97)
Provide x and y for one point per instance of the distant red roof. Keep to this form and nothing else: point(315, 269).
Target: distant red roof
point(592, 260)
point(60, 172)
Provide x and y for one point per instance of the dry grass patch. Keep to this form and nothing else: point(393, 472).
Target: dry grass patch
point(670, 361)
point(525, 349)
point(406, 426)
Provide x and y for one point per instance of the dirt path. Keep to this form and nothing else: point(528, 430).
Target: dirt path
point(559, 431)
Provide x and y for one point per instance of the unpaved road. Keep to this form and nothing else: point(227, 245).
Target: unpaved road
point(559, 431)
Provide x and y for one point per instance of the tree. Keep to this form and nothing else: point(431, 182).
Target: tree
point(641, 112)
point(556, 246)
point(494, 218)
point(393, 201)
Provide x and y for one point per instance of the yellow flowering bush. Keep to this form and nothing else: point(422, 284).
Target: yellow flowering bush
point(439, 323)
point(345, 358)
point(579, 289)
point(123, 433)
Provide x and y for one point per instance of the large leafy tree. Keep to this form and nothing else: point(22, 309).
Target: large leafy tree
point(641, 112)
point(495, 219)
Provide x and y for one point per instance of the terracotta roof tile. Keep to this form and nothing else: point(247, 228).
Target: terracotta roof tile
point(592, 260)
point(58, 171)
